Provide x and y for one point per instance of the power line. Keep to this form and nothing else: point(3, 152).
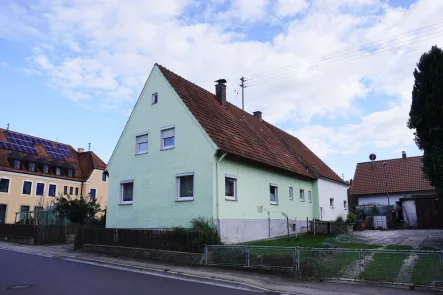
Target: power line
point(367, 47)
point(348, 58)
point(343, 52)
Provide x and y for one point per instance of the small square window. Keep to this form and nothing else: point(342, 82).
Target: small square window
point(345, 205)
point(52, 190)
point(4, 185)
point(45, 169)
point(291, 193)
point(273, 194)
point(58, 171)
point(76, 191)
point(309, 197)
point(71, 190)
point(31, 167)
point(40, 189)
point(331, 202)
point(142, 143)
point(126, 192)
point(167, 138)
point(70, 173)
point(27, 187)
point(17, 164)
point(230, 188)
point(185, 187)
point(302, 195)
point(154, 98)
point(92, 193)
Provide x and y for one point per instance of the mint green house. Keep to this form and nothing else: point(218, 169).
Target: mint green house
point(186, 152)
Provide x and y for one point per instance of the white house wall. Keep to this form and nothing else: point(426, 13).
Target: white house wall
point(330, 189)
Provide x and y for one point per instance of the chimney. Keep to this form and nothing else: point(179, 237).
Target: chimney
point(257, 114)
point(80, 150)
point(220, 91)
point(403, 154)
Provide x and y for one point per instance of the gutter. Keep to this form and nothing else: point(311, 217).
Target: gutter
point(217, 191)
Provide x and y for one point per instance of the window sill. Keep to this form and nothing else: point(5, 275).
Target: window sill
point(125, 204)
point(345, 208)
point(332, 207)
point(274, 203)
point(230, 198)
point(141, 153)
point(302, 201)
point(167, 148)
point(187, 199)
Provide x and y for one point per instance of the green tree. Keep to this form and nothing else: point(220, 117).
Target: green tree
point(426, 115)
point(78, 210)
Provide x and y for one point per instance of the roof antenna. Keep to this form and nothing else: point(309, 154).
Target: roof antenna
point(89, 146)
point(7, 126)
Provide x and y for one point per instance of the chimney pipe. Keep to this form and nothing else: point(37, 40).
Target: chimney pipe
point(403, 154)
point(80, 150)
point(257, 114)
point(220, 91)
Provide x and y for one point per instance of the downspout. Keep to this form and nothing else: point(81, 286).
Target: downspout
point(217, 193)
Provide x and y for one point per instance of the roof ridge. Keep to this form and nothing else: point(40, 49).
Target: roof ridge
point(393, 159)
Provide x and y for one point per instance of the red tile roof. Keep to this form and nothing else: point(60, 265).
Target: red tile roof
point(249, 138)
point(404, 175)
point(83, 163)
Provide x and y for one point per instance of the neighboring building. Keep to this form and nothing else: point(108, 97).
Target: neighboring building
point(35, 170)
point(402, 185)
point(186, 152)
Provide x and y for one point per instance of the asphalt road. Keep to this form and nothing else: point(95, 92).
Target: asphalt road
point(51, 276)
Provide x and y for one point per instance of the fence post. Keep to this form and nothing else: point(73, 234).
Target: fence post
point(298, 259)
point(360, 259)
point(294, 259)
point(247, 256)
point(206, 254)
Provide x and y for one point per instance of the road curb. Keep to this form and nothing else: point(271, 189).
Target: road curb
point(163, 273)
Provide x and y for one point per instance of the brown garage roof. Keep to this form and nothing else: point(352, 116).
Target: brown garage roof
point(404, 175)
point(250, 138)
point(83, 163)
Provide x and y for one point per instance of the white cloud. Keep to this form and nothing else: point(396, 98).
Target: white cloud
point(290, 7)
point(245, 10)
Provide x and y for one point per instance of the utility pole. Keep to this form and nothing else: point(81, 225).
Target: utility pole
point(7, 126)
point(386, 180)
point(242, 85)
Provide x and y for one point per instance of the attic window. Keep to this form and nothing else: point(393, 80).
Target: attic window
point(58, 171)
point(154, 98)
point(45, 169)
point(70, 173)
point(31, 166)
point(17, 164)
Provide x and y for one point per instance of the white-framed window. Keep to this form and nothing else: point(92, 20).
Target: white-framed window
point(93, 193)
point(331, 202)
point(52, 190)
point(27, 187)
point(103, 176)
point(291, 193)
point(76, 191)
point(58, 171)
point(40, 189)
point(167, 137)
point(126, 191)
point(345, 205)
point(70, 172)
point(185, 186)
point(46, 169)
point(65, 190)
point(141, 143)
point(273, 194)
point(5, 184)
point(302, 195)
point(31, 166)
point(154, 98)
point(230, 187)
point(17, 164)
point(71, 190)
point(309, 197)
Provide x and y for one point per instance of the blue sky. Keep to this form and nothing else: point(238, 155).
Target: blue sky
point(73, 70)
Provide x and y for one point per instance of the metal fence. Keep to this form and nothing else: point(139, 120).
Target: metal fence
point(185, 241)
point(413, 267)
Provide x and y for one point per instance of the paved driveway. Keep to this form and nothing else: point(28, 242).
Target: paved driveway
point(408, 237)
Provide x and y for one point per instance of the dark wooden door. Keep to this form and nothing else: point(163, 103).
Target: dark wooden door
point(429, 213)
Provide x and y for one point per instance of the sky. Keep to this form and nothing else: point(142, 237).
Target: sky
point(72, 70)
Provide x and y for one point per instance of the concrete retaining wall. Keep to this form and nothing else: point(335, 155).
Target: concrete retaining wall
point(21, 240)
point(149, 254)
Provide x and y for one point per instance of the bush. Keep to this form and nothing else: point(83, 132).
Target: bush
point(339, 219)
point(207, 230)
point(351, 218)
point(179, 230)
point(343, 238)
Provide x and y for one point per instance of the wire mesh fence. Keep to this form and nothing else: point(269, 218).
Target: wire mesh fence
point(412, 267)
